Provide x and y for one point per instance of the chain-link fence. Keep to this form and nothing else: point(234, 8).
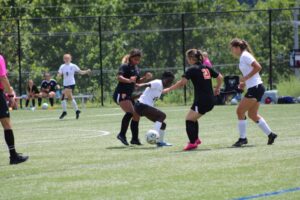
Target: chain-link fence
point(34, 46)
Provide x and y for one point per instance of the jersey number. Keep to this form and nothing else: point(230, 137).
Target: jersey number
point(206, 74)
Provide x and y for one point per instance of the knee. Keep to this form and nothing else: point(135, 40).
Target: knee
point(253, 116)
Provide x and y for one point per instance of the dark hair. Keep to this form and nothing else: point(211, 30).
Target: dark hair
point(242, 44)
point(195, 54)
point(168, 74)
point(135, 53)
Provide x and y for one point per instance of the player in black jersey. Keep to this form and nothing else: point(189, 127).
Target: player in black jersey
point(48, 89)
point(32, 93)
point(127, 76)
point(200, 76)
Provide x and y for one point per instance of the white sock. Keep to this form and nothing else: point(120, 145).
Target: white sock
point(242, 128)
point(161, 135)
point(74, 104)
point(157, 126)
point(264, 126)
point(64, 105)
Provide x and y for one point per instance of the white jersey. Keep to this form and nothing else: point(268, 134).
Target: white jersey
point(68, 71)
point(246, 60)
point(152, 93)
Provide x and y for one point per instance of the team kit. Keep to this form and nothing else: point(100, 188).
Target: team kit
point(134, 107)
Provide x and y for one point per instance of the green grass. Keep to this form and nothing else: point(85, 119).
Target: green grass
point(70, 160)
point(290, 87)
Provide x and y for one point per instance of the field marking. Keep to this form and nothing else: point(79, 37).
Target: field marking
point(269, 194)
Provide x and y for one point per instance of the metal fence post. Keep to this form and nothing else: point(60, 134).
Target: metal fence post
point(270, 51)
point(183, 52)
point(19, 57)
point(100, 58)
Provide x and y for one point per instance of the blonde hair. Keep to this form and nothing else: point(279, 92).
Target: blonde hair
point(125, 59)
point(195, 54)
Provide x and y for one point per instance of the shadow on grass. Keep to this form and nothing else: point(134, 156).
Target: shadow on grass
point(211, 149)
point(131, 148)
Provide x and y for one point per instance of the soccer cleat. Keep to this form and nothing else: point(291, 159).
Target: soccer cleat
point(18, 158)
point(198, 141)
point(272, 138)
point(63, 115)
point(77, 114)
point(190, 146)
point(240, 142)
point(122, 139)
point(163, 144)
point(135, 142)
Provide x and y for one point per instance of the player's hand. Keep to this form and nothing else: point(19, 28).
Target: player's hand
point(217, 91)
point(243, 79)
point(138, 85)
point(148, 76)
point(133, 79)
point(166, 90)
point(242, 85)
point(88, 71)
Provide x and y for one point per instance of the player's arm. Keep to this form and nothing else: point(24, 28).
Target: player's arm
point(140, 85)
point(179, 84)
point(84, 72)
point(148, 76)
point(219, 84)
point(5, 82)
point(256, 68)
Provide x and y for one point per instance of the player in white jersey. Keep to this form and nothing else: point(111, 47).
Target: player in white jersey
point(145, 104)
point(68, 70)
point(251, 79)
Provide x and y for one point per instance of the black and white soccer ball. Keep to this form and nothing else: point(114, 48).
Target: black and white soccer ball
point(152, 136)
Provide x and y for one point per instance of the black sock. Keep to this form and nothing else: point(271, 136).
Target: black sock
point(196, 129)
point(134, 126)
point(51, 101)
point(10, 141)
point(40, 101)
point(27, 103)
point(191, 130)
point(125, 123)
point(33, 102)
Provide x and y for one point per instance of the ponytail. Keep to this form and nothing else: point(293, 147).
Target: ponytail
point(195, 54)
point(125, 59)
point(242, 44)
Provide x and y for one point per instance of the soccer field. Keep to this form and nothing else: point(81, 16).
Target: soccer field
point(82, 159)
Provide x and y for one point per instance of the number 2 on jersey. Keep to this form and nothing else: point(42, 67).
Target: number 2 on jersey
point(206, 74)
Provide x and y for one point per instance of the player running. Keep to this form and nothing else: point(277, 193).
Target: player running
point(200, 76)
point(68, 71)
point(145, 104)
point(250, 69)
point(128, 75)
point(15, 158)
point(48, 89)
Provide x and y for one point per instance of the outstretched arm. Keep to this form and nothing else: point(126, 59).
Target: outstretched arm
point(148, 76)
point(177, 85)
point(84, 72)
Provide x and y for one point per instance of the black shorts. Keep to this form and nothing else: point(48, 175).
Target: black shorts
point(118, 97)
point(72, 87)
point(150, 112)
point(4, 111)
point(256, 92)
point(201, 108)
point(139, 108)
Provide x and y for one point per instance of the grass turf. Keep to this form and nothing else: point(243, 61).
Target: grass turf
point(73, 159)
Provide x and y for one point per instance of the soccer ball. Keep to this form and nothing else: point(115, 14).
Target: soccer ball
point(45, 106)
point(234, 101)
point(152, 136)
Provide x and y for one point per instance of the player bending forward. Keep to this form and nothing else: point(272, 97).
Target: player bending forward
point(145, 104)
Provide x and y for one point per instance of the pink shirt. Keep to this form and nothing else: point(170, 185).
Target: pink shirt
point(3, 71)
point(207, 62)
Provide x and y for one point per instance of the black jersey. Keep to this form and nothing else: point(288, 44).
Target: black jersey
point(34, 89)
point(127, 71)
point(201, 79)
point(51, 85)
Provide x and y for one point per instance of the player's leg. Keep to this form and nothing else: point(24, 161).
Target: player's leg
point(41, 95)
point(243, 107)
point(127, 107)
point(192, 128)
point(262, 124)
point(27, 101)
point(51, 98)
point(15, 158)
point(64, 103)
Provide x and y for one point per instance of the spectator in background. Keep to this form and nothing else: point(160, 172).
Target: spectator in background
point(48, 89)
point(32, 93)
point(206, 61)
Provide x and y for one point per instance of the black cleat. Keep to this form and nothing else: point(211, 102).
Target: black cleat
point(18, 158)
point(122, 139)
point(77, 114)
point(63, 115)
point(272, 138)
point(240, 142)
point(136, 142)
